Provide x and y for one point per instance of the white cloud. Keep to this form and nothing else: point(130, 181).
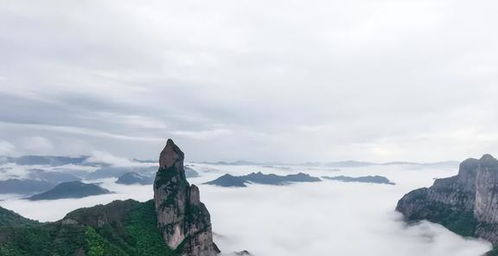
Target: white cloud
point(343, 80)
point(108, 158)
point(80, 131)
point(204, 134)
point(37, 145)
point(327, 218)
point(6, 147)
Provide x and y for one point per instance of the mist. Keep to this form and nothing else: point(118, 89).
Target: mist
point(324, 218)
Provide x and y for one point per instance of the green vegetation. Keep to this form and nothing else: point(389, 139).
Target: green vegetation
point(142, 229)
point(41, 240)
point(10, 218)
point(121, 228)
point(460, 222)
point(493, 252)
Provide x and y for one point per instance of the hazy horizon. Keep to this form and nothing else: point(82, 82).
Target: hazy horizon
point(109, 158)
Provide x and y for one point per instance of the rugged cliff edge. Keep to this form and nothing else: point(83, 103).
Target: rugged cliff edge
point(466, 204)
point(182, 218)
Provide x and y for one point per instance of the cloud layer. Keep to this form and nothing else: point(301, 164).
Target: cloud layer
point(259, 80)
point(325, 218)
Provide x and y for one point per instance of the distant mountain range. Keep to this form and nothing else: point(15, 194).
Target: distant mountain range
point(46, 160)
point(349, 163)
point(364, 179)
point(228, 180)
point(83, 160)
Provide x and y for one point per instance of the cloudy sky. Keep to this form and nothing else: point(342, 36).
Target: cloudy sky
point(260, 80)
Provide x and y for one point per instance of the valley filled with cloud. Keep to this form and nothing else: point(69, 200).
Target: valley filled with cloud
point(318, 218)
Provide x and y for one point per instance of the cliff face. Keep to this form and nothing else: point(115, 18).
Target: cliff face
point(182, 218)
point(466, 203)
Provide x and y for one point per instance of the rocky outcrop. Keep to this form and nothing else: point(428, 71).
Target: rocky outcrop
point(182, 218)
point(466, 203)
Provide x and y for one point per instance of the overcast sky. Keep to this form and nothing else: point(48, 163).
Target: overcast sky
point(256, 80)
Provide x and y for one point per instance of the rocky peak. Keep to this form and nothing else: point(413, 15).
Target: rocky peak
point(488, 157)
point(183, 219)
point(466, 203)
point(468, 167)
point(171, 155)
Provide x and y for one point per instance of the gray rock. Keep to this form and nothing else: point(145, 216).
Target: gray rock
point(181, 216)
point(466, 203)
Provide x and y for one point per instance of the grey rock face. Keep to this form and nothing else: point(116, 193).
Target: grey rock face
point(182, 218)
point(466, 204)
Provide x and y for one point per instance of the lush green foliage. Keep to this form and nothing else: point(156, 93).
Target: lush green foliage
point(10, 218)
point(46, 239)
point(142, 229)
point(460, 222)
point(130, 229)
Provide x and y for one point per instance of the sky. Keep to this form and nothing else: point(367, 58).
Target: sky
point(286, 81)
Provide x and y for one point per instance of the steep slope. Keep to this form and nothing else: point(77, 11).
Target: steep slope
point(466, 203)
point(182, 218)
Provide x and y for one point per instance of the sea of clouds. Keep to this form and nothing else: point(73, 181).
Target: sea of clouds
point(325, 218)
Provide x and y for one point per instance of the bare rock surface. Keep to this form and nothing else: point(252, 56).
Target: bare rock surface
point(183, 219)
